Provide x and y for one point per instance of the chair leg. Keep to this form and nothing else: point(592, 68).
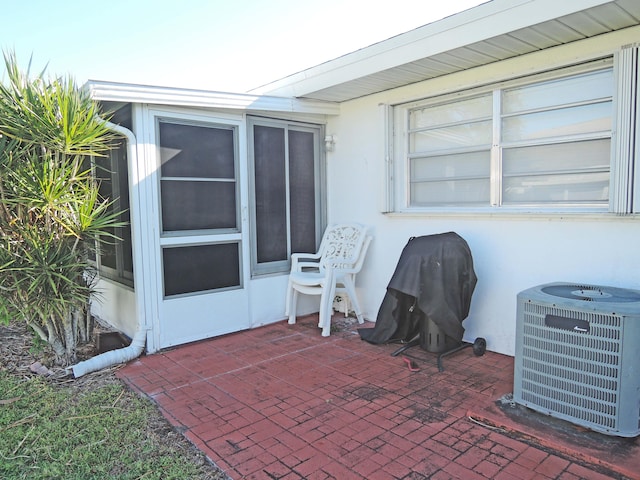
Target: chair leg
point(287, 302)
point(326, 303)
point(291, 307)
point(324, 320)
point(351, 292)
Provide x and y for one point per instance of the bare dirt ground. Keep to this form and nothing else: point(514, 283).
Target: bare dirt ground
point(19, 356)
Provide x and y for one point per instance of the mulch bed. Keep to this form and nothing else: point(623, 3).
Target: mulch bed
point(21, 355)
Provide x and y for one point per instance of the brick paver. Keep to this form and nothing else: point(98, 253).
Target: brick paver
point(282, 402)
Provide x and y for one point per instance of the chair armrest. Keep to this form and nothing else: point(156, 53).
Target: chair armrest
point(298, 261)
point(343, 266)
point(298, 256)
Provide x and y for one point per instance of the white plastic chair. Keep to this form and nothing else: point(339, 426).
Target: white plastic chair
point(330, 271)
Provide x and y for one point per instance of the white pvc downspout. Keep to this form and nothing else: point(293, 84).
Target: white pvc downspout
point(135, 349)
point(113, 357)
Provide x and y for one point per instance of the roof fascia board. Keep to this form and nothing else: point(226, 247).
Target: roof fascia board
point(130, 93)
point(485, 21)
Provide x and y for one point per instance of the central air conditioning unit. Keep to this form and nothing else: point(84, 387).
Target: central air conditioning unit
point(578, 355)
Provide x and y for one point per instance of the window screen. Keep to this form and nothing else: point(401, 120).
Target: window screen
point(270, 183)
point(200, 268)
point(302, 191)
point(285, 190)
point(116, 252)
point(198, 183)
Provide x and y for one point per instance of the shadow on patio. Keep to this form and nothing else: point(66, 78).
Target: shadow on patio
point(282, 402)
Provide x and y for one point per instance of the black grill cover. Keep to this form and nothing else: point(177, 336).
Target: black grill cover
point(434, 279)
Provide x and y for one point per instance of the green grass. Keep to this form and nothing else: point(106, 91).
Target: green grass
point(53, 432)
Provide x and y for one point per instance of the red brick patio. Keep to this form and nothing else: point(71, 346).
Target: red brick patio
point(282, 402)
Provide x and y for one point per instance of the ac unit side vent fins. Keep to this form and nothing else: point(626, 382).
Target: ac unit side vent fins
point(577, 355)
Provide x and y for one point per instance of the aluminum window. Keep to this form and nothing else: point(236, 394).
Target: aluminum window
point(538, 143)
point(286, 192)
point(200, 268)
point(199, 200)
point(198, 180)
point(115, 258)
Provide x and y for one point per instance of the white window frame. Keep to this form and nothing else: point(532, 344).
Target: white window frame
point(623, 132)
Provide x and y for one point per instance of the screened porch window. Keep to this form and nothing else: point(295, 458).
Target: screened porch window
point(198, 268)
point(199, 207)
point(198, 181)
point(285, 181)
point(115, 258)
point(535, 144)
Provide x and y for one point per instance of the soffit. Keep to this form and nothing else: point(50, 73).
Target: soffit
point(326, 81)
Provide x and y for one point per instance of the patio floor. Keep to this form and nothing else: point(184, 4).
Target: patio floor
point(282, 402)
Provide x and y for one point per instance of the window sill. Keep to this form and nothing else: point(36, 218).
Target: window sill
point(120, 282)
point(510, 214)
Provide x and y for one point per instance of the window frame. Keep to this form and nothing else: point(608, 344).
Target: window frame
point(175, 120)
point(205, 236)
point(398, 173)
point(119, 274)
point(284, 266)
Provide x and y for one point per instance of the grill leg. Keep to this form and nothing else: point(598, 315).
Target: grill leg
point(479, 347)
point(449, 352)
point(407, 346)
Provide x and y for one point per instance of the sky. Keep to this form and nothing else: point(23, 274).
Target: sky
point(220, 45)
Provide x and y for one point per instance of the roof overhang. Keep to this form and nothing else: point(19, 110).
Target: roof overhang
point(491, 32)
point(131, 93)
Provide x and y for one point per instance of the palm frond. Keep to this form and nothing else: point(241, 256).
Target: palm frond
point(55, 115)
point(51, 211)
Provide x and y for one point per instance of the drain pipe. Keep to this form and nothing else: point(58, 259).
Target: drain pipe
point(135, 349)
point(113, 357)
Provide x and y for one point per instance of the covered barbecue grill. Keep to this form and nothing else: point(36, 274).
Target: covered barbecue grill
point(429, 295)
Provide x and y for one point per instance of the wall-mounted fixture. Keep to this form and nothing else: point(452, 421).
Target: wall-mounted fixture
point(329, 142)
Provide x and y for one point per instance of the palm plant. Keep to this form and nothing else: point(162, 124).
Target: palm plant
point(51, 214)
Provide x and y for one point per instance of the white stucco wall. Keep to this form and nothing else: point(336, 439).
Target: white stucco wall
point(115, 305)
point(511, 252)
